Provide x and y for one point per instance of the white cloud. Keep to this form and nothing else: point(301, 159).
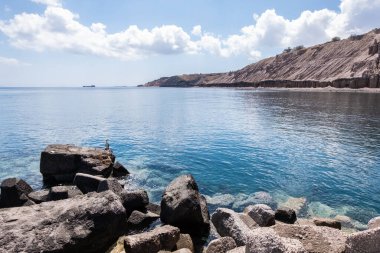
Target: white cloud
point(60, 29)
point(9, 61)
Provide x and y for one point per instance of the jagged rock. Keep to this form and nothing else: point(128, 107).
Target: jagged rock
point(262, 214)
point(374, 223)
point(161, 238)
point(327, 223)
point(248, 221)
point(313, 238)
point(14, 192)
point(118, 170)
point(183, 206)
point(154, 208)
point(39, 196)
point(286, 215)
point(241, 249)
point(60, 163)
point(87, 183)
point(134, 200)
point(185, 242)
point(367, 241)
point(86, 223)
point(110, 184)
point(58, 193)
point(221, 245)
point(139, 220)
point(228, 223)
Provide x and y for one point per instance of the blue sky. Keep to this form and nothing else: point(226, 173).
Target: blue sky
point(121, 42)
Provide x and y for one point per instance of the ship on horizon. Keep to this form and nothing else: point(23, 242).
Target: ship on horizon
point(89, 86)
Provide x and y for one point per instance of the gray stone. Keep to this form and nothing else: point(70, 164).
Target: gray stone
point(58, 193)
point(39, 196)
point(367, 241)
point(87, 183)
point(221, 245)
point(285, 214)
point(87, 223)
point(262, 214)
point(241, 249)
point(161, 238)
point(59, 163)
point(248, 221)
point(118, 170)
point(110, 184)
point(14, 193)
point(327, 223)
point(185, 242)
point(374, 223)
point(134, 200)
point(154, 208)
point(183, 206)
point(139, 220)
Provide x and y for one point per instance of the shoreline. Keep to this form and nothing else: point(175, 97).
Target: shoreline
point(318, 89)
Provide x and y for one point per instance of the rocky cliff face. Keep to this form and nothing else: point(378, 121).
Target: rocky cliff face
point(353, 62)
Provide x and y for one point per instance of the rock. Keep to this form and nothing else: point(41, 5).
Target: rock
point(265, 240)
point(228, 223)
point(87, 183)
point(248, 220)
point(161, 238)
point(177, 251)
point(327, 223)
point(221, 245)
point(154, 208)
point(59, 163)
point(86, 223)
point(185, 242)
point(314, 239)
point(139, 220)
point(262, 214)
point(367, 241)
point(39, 196)
point(134, 200)
point(110, 184)
point(183, 206)
point(241, 249)
point(118, 170)
point(58, 193)
point(286, 215)
point(14, 192)
point(374, 223)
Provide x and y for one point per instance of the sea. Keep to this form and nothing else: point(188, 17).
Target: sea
point(318, 151)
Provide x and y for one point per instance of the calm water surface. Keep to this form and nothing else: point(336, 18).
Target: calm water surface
point(321, 146)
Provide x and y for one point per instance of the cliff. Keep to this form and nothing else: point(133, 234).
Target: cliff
point(352, 62)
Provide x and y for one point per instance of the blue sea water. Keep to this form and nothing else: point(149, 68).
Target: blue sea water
point(323, 146)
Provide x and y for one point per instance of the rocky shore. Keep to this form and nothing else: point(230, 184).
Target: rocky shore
point(86, 208)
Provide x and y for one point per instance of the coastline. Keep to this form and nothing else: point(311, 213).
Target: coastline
point(317, 89)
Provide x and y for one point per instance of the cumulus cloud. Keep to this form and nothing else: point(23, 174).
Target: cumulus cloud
point(58, 28)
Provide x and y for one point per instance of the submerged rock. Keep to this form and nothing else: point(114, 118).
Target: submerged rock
point(87, 223)
point(297, 204)
point(14, 193)
point(60, 163)
point(183, 206)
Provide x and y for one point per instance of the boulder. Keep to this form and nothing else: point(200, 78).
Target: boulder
point(241, 249)
point(134, 200)
point(327, 223)
point(314, 239)
point(39, 196)
point(161, 238)
point(58, 193)
point(183, 206)
point(374, 223)
point(221, 245)
point(154, 208)
point(285, 214)
point(228, 223)
point(248, 220)
point(118, 170)
point(262, 214)
point(14, 192)
point(87, 183)
point(86, 223)
point(139, 220)
point(110, 184)
point(59, 163)
point(367, 241)
point(185, 242)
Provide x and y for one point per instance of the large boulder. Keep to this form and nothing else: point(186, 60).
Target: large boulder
point(39, 196)
point(118, 170)
point(139, 220)
point(183, 206)
point(262, 214)
point(110, 184)
point(367, 241)
point(60, 163)
point(86, 223)
point(14, 192)
point(161, 238)
point(221, 245)
point(87, 183)
point(134, 200)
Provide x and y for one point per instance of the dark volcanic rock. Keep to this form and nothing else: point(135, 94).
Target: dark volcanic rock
point(14, 192)
point(134, 200)
point(60, 163)
point(286, 215)
point(58, 193)
point(87, 183)
point(87, 223)
point(183, 206)
point(139, 220)
point(118, 170)
point(39, 196)
point(161, 238)
point(110, 184)
point(323, 222)
point(154, 208)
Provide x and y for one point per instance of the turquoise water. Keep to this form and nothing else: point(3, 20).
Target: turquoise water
point(324, 147)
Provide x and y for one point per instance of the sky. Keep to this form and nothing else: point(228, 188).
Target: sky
point(129, 42)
